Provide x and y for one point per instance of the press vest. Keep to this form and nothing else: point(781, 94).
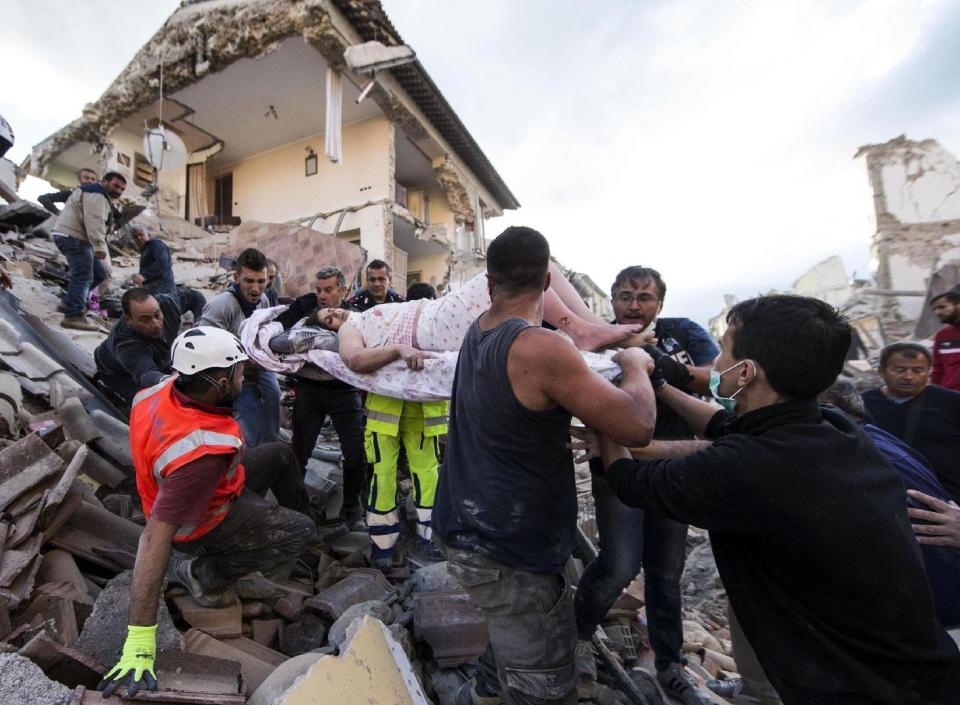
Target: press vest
point(383, 415)
point(166, 435)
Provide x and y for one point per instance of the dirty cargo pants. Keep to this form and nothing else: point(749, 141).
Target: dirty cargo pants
point(257, 534)
point(529, 616)
point(383, 452)
point(631, 539)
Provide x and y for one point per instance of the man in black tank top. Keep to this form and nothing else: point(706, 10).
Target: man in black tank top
point(506, 507)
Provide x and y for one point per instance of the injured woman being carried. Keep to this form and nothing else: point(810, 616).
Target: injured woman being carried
point(418, 335)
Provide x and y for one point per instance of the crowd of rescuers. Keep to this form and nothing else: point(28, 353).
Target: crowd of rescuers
point(806, 487)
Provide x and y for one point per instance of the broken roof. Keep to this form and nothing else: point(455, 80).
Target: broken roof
point(206, 36)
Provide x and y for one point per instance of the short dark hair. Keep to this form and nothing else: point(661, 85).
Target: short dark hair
point(272, 263)
point(199, 383)
point(420, 290)
point(133, 296)
point(951, 296)
point(845, 397)
point(111, 175)
point(639, 274)
point(252, 259)
point(800, 342)
point(518, 260)
point(327, 272)
point(378, 264)
point(908, 350)
point(86, 169)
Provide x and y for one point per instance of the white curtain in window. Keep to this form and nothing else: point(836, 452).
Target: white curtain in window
point(334, 142)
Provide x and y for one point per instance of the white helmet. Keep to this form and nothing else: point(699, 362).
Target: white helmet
point(204, 348)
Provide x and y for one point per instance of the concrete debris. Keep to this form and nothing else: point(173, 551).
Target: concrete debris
point(22, 681)
point(105, 630)
point(302, 636)
point(284, 676)
point(452, 625)
point(372, 670)
point(435, 578)
point(360, 585)
point(63, 664)
point(216, 621)
point(253, 669)
point(375, 608)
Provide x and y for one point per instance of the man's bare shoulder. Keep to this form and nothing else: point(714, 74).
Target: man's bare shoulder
point(544, 348)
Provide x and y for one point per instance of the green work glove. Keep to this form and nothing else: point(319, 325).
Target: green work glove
point(136, 661)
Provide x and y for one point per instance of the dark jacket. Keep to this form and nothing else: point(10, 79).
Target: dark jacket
point(936, 430)
point(128, 362)
point(47, 200)
point(809, 529)
point(363, 301)
point(156, 268)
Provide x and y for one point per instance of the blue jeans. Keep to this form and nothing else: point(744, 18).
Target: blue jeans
point(257, 409)
point(86, 272)
point(631, 538)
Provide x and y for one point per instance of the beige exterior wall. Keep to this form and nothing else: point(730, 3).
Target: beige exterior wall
point(433, 268)
point(272, 187)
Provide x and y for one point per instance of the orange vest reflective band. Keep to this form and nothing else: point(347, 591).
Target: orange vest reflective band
point(165, 435)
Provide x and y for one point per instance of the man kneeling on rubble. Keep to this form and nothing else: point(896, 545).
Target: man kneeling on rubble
point(807, 519)
point(201, 492)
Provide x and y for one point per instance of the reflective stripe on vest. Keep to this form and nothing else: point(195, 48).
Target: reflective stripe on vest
point(383, 416)
point(185, 531)
point(190, 443)
point(148, 392)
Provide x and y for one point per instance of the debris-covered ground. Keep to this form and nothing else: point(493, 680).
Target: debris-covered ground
point(333, 630)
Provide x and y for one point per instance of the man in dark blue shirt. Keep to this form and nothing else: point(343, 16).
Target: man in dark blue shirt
point(631, 538)
point(924, 416)
point(378, 289)
point(136, 354)
point(156, 267)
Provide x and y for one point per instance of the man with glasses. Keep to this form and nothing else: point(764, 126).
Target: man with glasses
point(631, 538)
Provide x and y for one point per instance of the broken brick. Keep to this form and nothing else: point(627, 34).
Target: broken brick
point(215, 621)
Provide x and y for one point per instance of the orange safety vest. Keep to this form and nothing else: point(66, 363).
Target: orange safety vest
point(165, 435)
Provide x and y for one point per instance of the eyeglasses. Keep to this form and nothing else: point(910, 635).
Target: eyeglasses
point(626, 297)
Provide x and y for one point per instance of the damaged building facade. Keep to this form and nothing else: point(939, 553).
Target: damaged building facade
point(266, 105)
point(914, 252)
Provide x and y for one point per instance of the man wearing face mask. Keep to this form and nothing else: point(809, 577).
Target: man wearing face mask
point(631, 538)
point(203, 492)
point(807, 520)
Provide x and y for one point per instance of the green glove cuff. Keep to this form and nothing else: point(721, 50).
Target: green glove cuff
point(139, 651)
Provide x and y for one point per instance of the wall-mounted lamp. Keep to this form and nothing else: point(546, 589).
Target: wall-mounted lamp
point(310, 162)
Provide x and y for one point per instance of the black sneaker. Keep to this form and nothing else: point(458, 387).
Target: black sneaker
point(679, 683)
point(727, 688)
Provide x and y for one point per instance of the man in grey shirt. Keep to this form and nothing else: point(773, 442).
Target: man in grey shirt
point(257, 409)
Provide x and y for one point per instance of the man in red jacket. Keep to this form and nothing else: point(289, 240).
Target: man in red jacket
point(946, 344)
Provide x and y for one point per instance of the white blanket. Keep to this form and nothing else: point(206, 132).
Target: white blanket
point(394, 380)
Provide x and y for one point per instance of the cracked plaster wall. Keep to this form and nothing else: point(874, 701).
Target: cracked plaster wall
point(916, 189)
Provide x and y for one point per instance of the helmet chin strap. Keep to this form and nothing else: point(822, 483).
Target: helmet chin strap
point(224, 396)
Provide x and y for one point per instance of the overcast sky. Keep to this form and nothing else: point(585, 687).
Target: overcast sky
point(710, 139)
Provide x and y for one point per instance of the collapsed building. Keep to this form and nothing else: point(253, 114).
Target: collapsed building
point(278, 127)
point(914, 253)
point(281, 153)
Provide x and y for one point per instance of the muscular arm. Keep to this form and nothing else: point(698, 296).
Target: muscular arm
point(700, 384)
point(546, 370)
point(148, 571)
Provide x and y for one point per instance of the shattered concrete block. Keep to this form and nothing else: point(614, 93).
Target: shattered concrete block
point(373, 670)
point(359, 585)
point(435, 578)
point(266, 631)
point(452, 625)
point(306, 635)
point(282, 678)
point(218, 621)
point(106, 628)
point(22, 681)
point(63, 664)
point(253, 669)
point(375, 608)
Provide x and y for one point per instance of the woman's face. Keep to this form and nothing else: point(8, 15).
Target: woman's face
point(332, 318)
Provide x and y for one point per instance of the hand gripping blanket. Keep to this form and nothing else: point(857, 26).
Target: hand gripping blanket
point(394, 380)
